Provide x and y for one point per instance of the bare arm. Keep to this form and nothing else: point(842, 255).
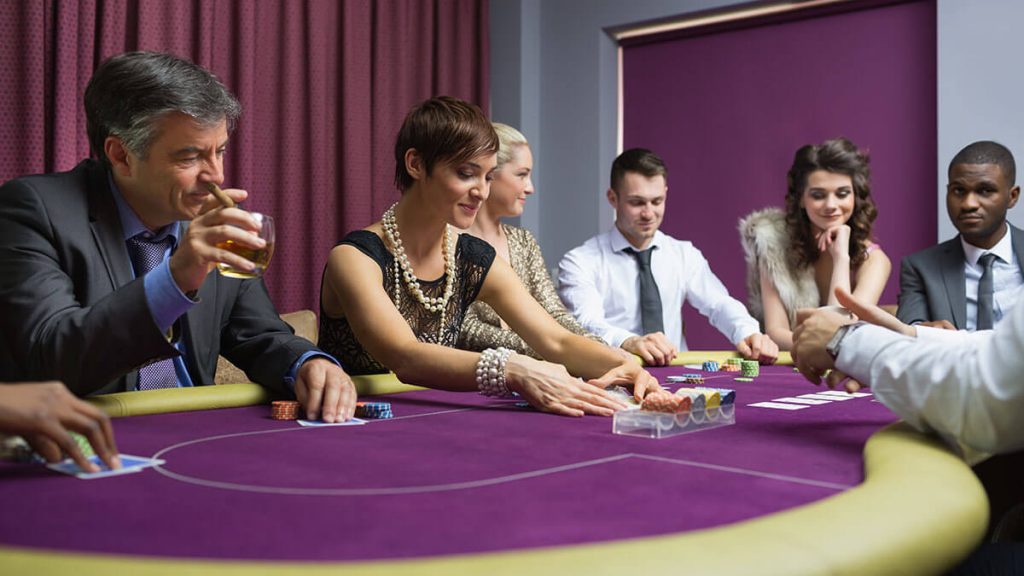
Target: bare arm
point(356, 286)
point(581, 356)
point(478, 334)
point(776, 318)
point(872, 275)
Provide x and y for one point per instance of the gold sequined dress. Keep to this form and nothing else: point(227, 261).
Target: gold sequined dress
point(482, 328)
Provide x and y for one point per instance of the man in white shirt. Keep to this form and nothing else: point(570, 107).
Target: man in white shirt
point(628, 285)
point(964, 386)
point(956, 284)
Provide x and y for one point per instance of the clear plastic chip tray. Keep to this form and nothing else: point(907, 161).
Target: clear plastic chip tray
point(662, 425)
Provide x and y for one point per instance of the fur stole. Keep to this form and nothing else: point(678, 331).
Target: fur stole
point(767, 248)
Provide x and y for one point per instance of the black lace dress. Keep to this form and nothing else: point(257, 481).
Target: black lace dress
point(473, 258)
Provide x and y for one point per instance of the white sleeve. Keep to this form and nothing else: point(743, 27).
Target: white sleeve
point(967, 387)
point(578, 289)
point(709, 296)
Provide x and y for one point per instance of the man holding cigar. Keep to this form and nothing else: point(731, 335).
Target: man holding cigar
point(105, 276)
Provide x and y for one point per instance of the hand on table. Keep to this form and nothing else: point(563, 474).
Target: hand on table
point(198, 253)
point(44, 413)
point(325, 391)
point(654, 349)
point(758, 347)
point(629, 373)
point(550, 387)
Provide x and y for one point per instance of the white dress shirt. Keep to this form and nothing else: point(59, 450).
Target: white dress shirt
point(965, 386)
point(1007, 282)
point(600, 285)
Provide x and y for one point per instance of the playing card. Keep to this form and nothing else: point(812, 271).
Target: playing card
point(320, 423)
point(129, 465)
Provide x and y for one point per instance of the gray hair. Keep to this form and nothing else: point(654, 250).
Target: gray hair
point(130, 92)
point(509, 138)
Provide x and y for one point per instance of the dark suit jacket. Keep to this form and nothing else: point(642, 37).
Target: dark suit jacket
point(932, 283)
point(70, 310)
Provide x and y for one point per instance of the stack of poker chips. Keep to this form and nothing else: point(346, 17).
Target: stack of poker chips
point(710, 366)
point(750, 369)
point(709, 397)
point(697, 400)
point(693, 379)
point(732, 365)
point(284, 410)
point(666, 402)
point(725, 395)
point(378, 410)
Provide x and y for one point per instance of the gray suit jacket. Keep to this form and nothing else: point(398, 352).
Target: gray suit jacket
point(70, 309)
point(932, 283)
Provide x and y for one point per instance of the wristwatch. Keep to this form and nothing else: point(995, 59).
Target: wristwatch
point(837, 339)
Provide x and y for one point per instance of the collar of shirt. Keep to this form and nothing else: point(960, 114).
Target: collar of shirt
point(1003, 249)
point(130, 222)
point(619, 243)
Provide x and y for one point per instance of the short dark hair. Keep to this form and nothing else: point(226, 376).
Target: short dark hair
point(839, 156)
point(442, 129)
point(130, 92)
point(988, 152)
point(639, 160)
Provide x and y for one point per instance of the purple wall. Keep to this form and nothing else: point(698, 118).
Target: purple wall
point(727, 110)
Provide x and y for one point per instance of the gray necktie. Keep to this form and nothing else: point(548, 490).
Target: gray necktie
point(650, 297)
point(146, 255)
point(985, 291)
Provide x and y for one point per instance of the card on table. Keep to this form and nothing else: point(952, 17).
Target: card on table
point(129, 465)
point(321, 423)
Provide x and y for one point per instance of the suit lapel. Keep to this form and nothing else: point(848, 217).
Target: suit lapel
point(953, 277)
point(108, 235)
point(107, 232)
point(1017, 239)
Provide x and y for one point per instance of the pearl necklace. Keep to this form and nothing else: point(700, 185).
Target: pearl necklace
point(403, 269)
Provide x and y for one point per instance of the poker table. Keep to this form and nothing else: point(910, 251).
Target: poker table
point(457, 483)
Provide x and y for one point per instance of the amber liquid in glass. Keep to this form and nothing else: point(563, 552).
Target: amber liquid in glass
point(261, 258)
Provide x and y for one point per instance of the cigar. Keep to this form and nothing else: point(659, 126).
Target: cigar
point(224, 198)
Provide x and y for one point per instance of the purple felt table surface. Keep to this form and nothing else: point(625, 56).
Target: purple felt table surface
point(451, 473)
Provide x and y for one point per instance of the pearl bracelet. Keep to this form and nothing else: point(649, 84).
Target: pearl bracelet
point(490, 373)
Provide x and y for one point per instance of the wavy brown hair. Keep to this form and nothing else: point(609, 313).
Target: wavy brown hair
point(839, 156)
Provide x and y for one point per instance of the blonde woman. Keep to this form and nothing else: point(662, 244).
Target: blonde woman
point(511, 186)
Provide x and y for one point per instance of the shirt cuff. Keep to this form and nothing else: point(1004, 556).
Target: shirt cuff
point(744, 330)
point(615, 337)
point(289, 377)
point(166, 301)
point(860, 348)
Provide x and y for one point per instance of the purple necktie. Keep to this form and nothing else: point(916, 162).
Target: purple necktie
point(147, 254)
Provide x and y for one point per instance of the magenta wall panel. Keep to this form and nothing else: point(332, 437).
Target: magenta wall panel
point(727, 110)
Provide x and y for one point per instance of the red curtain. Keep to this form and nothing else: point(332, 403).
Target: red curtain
point(324, 86)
